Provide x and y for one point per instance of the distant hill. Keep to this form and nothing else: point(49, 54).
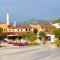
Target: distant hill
point(34, 21)
point(41, 22)
point(55, 21)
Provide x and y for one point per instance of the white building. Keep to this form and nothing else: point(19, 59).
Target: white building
point(57, 25)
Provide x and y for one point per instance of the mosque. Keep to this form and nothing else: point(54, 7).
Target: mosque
point(13, 29)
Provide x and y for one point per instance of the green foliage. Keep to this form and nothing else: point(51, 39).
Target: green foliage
point(32, 37)
point(56, 21)
point(1, 30)
point(17, 39)
point(35, 43)
point(23, 34)
point(57, 42)
point(42, 33)
point(56, 32)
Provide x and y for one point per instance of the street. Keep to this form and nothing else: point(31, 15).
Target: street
point(43, 52)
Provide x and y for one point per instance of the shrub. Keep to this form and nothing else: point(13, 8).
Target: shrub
point(10, 42)
point(57, 42)
point(26, 43)
point(15, 44)
point(20, 44)
point(36, 43)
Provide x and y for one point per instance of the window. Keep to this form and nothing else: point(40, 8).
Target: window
point(13, 30)
point(26, 29)
point(29, 29)
point(9, 30)
point(5, 29)
point(21, 29)
point(18, 29)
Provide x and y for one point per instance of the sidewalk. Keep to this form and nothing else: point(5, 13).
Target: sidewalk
point(41, 46)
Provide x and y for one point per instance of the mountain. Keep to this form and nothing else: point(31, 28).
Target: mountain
point(55, 21)
point(34, 22)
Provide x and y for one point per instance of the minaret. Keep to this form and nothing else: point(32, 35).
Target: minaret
point(14, 24)
point(7, 18)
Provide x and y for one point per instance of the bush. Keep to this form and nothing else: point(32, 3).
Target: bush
point(15, 44)
point(20, 44)
point(57, 42)
point(26, 43)
point(36, 43)
point(10, 42)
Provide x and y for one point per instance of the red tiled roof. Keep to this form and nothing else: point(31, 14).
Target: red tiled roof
point(47, 26)
point(10, 33)
point(19, 27)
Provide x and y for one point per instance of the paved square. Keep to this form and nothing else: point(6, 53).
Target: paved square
point(43, 52)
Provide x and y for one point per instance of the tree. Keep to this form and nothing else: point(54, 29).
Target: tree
point(42, 33)
point(56, 32)
point(29, 35)
point(23, 34)
point(1, 30)
point(32, 37)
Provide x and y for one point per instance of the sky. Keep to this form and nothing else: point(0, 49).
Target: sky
point(21, 10)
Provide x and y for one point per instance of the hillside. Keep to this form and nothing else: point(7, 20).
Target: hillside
point(34, 21)
point(55, 21)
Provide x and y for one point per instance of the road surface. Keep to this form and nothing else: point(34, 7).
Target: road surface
point(43, 52)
